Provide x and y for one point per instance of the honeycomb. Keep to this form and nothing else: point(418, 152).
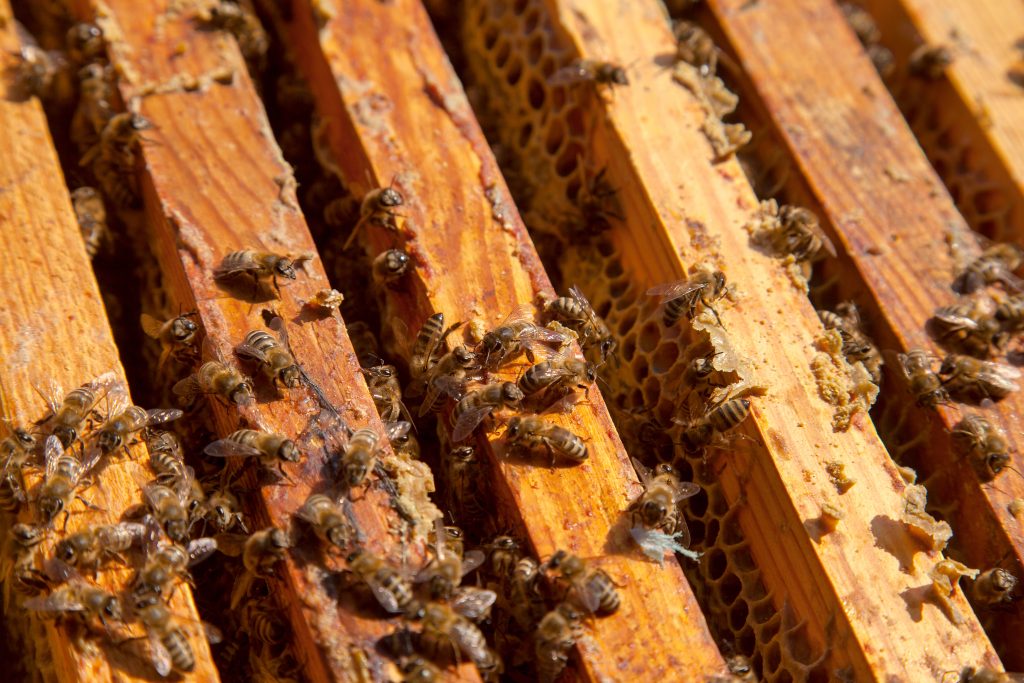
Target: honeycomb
point(541, 134)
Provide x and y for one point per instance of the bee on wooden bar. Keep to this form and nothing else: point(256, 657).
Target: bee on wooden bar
point(463, 474)
point(448, 634)
point(41, 73)
point(67, 413)
point(428, 340)
point(518, 332)
point(863, 24)
point(94, 110)
point(993, 587)
point(260, 266)
point(19, 571)
point(798, 232)
point(169, 509)
point(17, 448)
point(177, 336)
point(525, 598)
point(475, 406)
point(392, 590)
point(592, 587)
point(378, 208)
point(557, 378)
point(390, 266)
point(967, 327)
point(270, 448)
point(260, 551)
point(328, 520)
point(168, 642)
point(167, 459)
point(984, 444)
point(217, 379)
point(64, 472)
point(924, 384)
point(1010, 316)
point(92, 218)
point(274, 357)
point(222, 510)
point(125, 421)
point(658, 506)
point(244, 26)
point(995, 265)
point(382, 381)
point(117, 142)
point(555, 636)
point(695, 47)
point(531, 431)
point(857, 346)
point(89, 547)
point(598, 72)
point(688, 296)
point(444, 572)
point(576, 313)
point(164, 564)
point(504, 553)
point(701, 433)
point(79, 598)
point(359, 456)
point(929, 61)
point(448, 376)
point(85, 43)
point(970, 379)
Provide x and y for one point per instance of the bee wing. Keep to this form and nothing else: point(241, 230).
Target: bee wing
point(212, 633)
point(161, 415)
point(160, 656)
point(233, 544)
point(52, 450)
point(469, 421)
point(225, 270)
point(51, 392)
point(584, 303)
point(226, 448)
point(384, 596)
point(471, 560)
point(642, 471)
point(105, 383)
point(277, 325)
point(397, 430)
point(958, 321)
point(472, 602)
point(590, 599)
point(686, 489)
point(200, 549)
point(247, 351)
point(999, 375)
point(151, 326)
point(576, 72)
point(674, 290)
point(59, 571)
point(186, 387)
point(537, 338)
point(58, 601)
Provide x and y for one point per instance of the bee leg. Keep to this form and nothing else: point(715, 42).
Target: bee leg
point(719, 320)
point(89, 505)
point(67, 516)
point(280, 468)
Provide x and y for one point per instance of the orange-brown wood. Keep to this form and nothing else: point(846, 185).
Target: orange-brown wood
point(56, 328)
point(215, 183)
point(851, 157)
point(395, 110)
point(858, 591)
point(968, 119)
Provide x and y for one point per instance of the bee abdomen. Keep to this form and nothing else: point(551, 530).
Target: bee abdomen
point(180, 651)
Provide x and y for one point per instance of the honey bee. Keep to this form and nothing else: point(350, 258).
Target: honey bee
point(557, 377)
point(167, 460)
point(177, 336)
point(592, 587)
point(392, 590)
point(96, 92)
point(378, 208)
point(359, 456)
point(968, 328)
point(479, 403)
point(993, 587)
point(165, 564)
point(89, 547)
point(701, 433)
point(526, 601)
point(215, 378)
point(64, 472)
point(328, 520)
point(416, 669)
point(556, 634)
point(244, 26)
point(531, 431)
point(518, 332)
point(169, 509)
point(578, 315)
point(221, 509)
point(970, 379)
point(270, 448)
point(857, 346)
point(462, 472)
point(695, 47)
point(12, 491)
point(798, 232)
point(117, 142)
point(382, 381)
point(1010, 316)
point(597, 205)
point(124, 421)
point(445, 570)
point(78, 598)
point(984, 443)
point(276, 362)
point(600, 73)
point(401, 439)
point(686, 296)
point(390, 266)
point(260, 266)
point(430, 337)
point(67, 413)
point(929, 61)
point(39, 71)
point(85, 43)
point(658, 506)
point(504, 554)
point(448, 376)
point(995, 265)
point(19, 568)
point(17, 448)
point(168, 642)
point(924, 384)
point(448, 635)
point(261, 551)
point(92, 218)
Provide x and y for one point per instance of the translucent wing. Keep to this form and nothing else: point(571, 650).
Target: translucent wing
point(1000, 375)
point(233, 544)
point(105, 383)
point(226, 448)
point(674, 290)
point(385, 597)
point(469, 421)
point(277, 325)
point(58, 601)
point(953, 320)
point(159, 655)
point(642, 471)
point(200, 549)
point(472, 602)
point(247, 351)
point(590, 599)
point(151, 326)
point(471, 560)
point(686, 489)
point(397, 430)
point(212, 633)
point(576, 294)
point(59, 571)
point(520, 314)
point(540, 338)
point(186, 387)
point(161, 415)
point(117, 402)
point(52, 450)
point(152, 494)
point(52, 394)
point(577, 72)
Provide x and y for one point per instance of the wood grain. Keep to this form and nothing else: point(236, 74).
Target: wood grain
point(850, 588)
point(57, 329)
point(395, 110)
point(854, 161)
point(216, 183)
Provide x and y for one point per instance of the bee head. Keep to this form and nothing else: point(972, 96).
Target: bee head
point(50, 506)
point(289, 451)
point(25, 439)
point(653, 511)
point(514, 426)
point(355, 473)
point(285, 268)
point(66, 551)
point(242, 394)
point(112, 608)
point(390, 197)
point(65, 434)
point(26, 534)
point(511, 393)
point(279, 539)
point(109, 441)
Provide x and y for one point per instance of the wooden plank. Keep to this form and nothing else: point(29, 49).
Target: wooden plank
point(58, 329)
point(852, 159)
point(399, 113)
point(968, 118)
point(216, 183)
point(857, 599)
